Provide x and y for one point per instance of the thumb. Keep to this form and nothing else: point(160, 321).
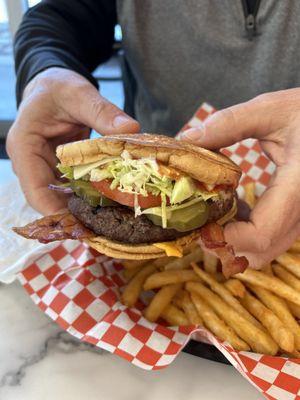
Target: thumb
point(233, 124)
point(270, 230)
point(88, 107)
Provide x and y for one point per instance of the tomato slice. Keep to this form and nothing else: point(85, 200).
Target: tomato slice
point(127, 199)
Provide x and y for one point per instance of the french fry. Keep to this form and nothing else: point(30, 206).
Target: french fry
point(249, 197)
point(282, 336)
point(287, 277)
point(196, 255)
point(133, 289)
point(291, 262)
point(175, 317)
point(292, 281)
point(295, 248)
point(279, 307)
point(183, 300)
point(259, 340)
point(163, 278)
point(225, 294)
point(210, 263)
point(190, 248)
point(235, 287)
point(161, 262)
point(160, 301)
point(130, 273)
point(216, 325)
point(267, 269)
point(132, 264)
point(271, 283)
point(219, 277)
point(294, 309)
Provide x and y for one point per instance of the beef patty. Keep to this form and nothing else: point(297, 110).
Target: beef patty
point(220, 206)
point(119, 223)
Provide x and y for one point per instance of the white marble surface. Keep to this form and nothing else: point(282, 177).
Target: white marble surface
point(39, 361)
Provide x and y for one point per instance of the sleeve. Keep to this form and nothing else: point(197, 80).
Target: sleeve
point(75, 34)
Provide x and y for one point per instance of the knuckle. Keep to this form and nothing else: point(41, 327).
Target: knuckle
point(263, 244)
point(100, 108)
point(228, 114)
point(226, 117)
point(263, 98)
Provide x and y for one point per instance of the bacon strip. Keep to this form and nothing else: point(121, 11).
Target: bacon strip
point(66, 226)
point(212, 240)
point(54, 227)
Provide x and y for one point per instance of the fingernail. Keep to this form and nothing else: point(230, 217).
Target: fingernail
point(121, 120)
point(191, 134)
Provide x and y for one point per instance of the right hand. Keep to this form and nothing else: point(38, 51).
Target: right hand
point(58, 106)
point(273, 119)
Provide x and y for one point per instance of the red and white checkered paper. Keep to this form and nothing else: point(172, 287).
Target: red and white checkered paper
point(79, 289)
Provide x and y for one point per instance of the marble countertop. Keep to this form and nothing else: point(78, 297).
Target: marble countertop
point(40, 361)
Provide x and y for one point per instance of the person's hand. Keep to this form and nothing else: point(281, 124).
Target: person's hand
point(274, 119)
point(58, 106)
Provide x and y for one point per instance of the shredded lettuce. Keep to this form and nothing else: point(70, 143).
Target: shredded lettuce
point(135, 176)
point(164, 210)
point(137, 208)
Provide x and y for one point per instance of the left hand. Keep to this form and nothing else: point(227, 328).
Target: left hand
point(273, 119)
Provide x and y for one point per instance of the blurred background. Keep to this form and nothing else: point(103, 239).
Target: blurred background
point(11, 13)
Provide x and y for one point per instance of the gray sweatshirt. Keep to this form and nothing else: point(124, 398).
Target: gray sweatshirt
point(182, 53)
point(178, 53)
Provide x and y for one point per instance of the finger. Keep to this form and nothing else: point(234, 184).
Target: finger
point(256, 257)
point(271, 230)
point(233, 124)
point(258, 244)
point(35, 175)
point(36, 190)
point(91, 109)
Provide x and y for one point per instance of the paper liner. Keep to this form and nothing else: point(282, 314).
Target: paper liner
point(79, 289)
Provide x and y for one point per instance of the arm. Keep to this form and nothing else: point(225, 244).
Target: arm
point(56, 33)
point(273, 119)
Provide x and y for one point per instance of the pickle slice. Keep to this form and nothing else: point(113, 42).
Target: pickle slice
point(86, 191)
point(185, 219)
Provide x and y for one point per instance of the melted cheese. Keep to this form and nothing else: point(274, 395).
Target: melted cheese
point(171, 249)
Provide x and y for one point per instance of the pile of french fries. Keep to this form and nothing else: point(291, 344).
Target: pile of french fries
point(255, 310)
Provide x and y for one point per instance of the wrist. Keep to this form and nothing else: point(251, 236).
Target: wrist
point(43, 79)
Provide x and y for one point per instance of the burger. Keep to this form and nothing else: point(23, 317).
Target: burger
point(143, 196)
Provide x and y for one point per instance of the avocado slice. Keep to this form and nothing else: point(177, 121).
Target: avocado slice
point(183, 189)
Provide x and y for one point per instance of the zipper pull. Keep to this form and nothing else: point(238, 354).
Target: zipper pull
point(250, 25)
